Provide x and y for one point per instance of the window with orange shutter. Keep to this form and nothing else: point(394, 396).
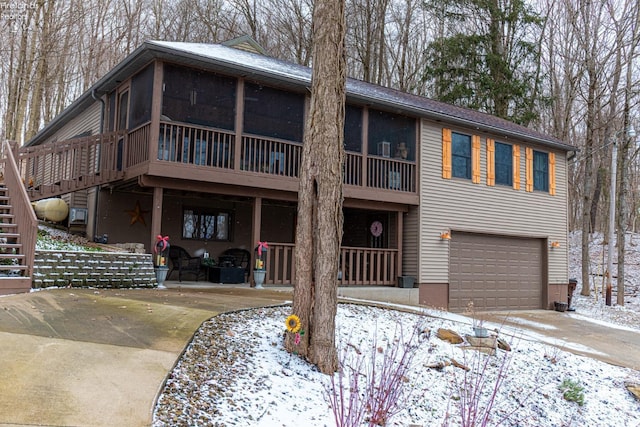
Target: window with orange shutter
point(540, 171)
point(503, 166)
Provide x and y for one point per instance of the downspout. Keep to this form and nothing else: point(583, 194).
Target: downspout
point(97, 187)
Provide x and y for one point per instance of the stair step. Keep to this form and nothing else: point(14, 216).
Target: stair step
point(12, 277)
point(13, 285)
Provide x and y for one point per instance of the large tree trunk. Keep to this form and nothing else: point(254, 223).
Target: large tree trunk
point(319, 228)
point(587, 195)
point(628, 145)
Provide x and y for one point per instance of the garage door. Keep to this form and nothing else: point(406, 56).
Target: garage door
point(495, 272)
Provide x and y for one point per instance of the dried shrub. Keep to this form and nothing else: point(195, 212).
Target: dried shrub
point(374, 388)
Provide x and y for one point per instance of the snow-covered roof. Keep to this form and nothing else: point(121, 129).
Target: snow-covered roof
point(217, 57)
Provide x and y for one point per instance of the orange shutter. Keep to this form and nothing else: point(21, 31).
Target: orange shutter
point(529, 169)
point(446, 153)
point(491, 162)
point(475, 159)
point(516, 167)
point(552, 174)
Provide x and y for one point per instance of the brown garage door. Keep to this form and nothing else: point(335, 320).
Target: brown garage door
point(495, 272)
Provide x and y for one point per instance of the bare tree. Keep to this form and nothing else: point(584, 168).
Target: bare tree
point(366, 39)
point(319, 226)
point(250, 11)
point(23, 60)
point(292, 19)
point(407, 33)
point(631, 29)
point(217, 20)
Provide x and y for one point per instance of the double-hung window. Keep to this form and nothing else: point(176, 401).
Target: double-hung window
point(461, 155)
point(204, 224)
point(503, 164)
point(540, 171)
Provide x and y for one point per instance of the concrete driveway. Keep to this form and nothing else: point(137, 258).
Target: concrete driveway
point(82, 357)
point(572, 332)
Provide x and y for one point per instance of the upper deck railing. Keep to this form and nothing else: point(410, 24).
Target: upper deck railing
point(61, 167)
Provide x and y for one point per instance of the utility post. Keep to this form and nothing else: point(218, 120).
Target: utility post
point(630, 133)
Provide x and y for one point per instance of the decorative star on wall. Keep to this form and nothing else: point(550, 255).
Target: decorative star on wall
point(137, 214)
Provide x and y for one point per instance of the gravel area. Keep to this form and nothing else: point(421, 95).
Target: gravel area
point(236, 372)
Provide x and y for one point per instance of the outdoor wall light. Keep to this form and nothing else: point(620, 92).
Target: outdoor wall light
point(445, 235)
point(555, 244)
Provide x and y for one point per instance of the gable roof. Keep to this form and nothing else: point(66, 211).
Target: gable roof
point(229, 60)
point(245, 43)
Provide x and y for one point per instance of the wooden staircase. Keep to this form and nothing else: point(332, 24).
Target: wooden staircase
point(18, 227)
point(12, 259)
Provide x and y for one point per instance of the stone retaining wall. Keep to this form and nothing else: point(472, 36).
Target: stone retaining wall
point(94, 269)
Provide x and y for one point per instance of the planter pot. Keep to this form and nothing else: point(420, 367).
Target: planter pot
point(561, 306)
point(480, 332)
point(258, 277)
point(405, 281)
point(161, 275)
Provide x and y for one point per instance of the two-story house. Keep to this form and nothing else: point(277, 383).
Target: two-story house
point(203, 142)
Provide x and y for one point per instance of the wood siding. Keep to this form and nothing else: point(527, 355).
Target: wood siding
point(458, 204)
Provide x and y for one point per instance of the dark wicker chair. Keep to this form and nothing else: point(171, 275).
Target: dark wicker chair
point(183, 262)
point(241, 258)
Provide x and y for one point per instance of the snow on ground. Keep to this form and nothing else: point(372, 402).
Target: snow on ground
point(594, 306)
point(237, 373)
point(53, 239)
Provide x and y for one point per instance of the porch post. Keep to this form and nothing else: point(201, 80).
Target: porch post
point(156, 110)
point(399, 228)
point(365, 145)
point(156, 216)
point(255, 228)
point(237, 150)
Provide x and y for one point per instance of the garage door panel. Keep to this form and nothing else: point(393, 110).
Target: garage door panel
point(495, 272)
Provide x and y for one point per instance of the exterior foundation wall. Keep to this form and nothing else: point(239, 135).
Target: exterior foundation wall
point(434, 295)
point(556, 292)
point(93, 269)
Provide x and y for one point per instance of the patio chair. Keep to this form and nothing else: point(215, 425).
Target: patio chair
point(183, 262)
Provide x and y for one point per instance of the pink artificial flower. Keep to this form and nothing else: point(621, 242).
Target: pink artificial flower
point(297, 340)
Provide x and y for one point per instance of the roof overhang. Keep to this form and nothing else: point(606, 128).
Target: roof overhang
point(251, 66)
